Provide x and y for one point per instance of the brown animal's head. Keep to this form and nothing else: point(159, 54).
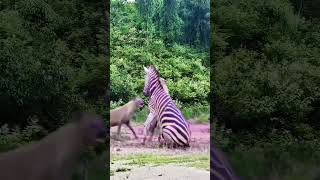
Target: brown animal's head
point(92, 127)
point(138, 102)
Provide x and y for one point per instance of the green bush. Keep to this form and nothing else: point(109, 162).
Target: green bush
point(183, 68)
point(265, 87)
point(265, 74)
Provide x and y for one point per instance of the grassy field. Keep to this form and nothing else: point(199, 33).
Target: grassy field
point(264, 169)
point(126, 162)
point(96, 169)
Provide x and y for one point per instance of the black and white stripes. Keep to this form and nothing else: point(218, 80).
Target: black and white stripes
point(174, 129)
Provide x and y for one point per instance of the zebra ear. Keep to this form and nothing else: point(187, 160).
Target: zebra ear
point(162, 80)
point(145, 69)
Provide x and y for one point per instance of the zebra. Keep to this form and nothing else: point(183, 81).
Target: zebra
point(220, 169)
point(174, 129)
point(151, 126)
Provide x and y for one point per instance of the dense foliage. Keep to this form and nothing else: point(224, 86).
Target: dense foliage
point(183, 67)
point(266, 82)
point(186, 21)
point(52, 62)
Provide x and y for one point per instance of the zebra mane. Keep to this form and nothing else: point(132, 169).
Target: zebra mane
point(153, 68)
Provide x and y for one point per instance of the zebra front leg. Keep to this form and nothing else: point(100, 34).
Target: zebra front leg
point(148, 126)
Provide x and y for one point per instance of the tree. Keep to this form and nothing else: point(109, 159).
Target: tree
point(148, 9)
point(196, 22)
point(170, 22)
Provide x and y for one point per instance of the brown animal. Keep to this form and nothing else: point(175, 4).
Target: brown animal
point(55, 156)
point(124, 114)
point(151, 126)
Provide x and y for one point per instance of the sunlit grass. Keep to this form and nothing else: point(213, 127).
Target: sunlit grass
point(201, 161)
point(255, 164)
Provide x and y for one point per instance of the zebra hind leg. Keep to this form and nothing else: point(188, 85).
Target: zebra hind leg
point(173, 145)
point(162, 145)
point(160, 142)
point(184, 147)
point(170, 143)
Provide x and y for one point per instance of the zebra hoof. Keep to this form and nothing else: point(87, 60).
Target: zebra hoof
point(160, 145)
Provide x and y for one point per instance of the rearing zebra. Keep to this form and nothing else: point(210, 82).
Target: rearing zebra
point(174, 129)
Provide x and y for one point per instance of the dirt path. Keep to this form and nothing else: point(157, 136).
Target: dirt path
point(165, 172)
point(200, 141)
point(127, 145)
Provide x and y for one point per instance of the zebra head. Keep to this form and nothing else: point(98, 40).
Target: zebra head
point(151, 79)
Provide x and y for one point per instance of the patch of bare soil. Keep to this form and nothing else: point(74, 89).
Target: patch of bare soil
point(127, 144)
point(166, 172)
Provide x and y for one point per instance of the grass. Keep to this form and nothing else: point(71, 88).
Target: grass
point(295, 171)
point(141, 116)
point(97, 169)
point(199, 113)
point(200, 161)
point(96, 172)
point(256, 164)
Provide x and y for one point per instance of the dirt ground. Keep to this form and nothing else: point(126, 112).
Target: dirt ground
point(164, 172)
point(128, 145)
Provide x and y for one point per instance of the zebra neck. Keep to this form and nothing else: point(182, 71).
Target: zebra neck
point(159, 99)
point(156, 86)
point(158, 91)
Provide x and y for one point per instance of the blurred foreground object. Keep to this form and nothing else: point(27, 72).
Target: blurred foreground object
point(55, 156)
point(220, 169)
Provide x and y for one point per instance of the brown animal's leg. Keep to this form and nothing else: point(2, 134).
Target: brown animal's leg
point(134, 133)
point(119, 128)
